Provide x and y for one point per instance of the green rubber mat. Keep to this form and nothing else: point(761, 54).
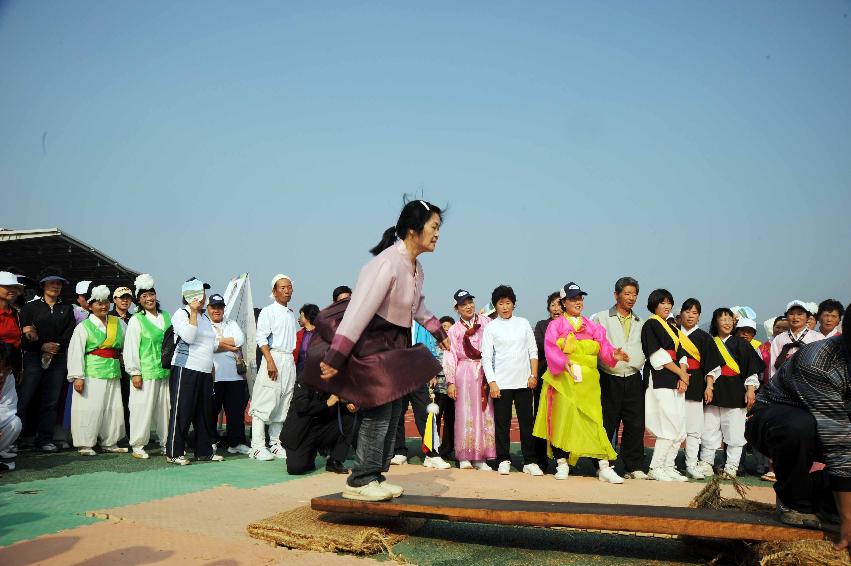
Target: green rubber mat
point(441, 543)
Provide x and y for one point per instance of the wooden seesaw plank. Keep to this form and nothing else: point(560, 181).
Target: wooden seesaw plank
point(706, 523)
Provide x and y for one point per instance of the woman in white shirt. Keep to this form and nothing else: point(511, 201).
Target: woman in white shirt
point(191, 379)
point(231, 390)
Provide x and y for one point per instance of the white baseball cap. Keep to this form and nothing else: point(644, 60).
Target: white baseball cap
point(9, 279)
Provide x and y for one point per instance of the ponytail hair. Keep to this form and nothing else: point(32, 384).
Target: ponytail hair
point(414, 216)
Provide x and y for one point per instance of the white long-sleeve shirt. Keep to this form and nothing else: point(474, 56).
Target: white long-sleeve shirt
point(77, 347)
point(225, 361)
point(195, 348)
point(132, 340)
point(277, 327)
point(507, 347)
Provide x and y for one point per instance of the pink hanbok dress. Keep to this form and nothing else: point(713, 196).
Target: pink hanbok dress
point(474, 429)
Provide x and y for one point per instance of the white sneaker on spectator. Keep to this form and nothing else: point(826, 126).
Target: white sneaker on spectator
point(217, 458)
point(532, 470)
point(562, 469)
point(706, 468)
point(436, 462)
point(465, 465)
point(178, 461)
point(278, 451)
point(609, 475)
point(729, 472)
point(139, 452)
point(261, 454)
point(114, 449)
point(636, 475)
point(504, 467)
point(482, 466)
point(87, 452)
point(675, 474)
point(48, 447)
point(239, 449)
point(369, 492)
point(659, 474)
point(695, 473)
point(399, 459)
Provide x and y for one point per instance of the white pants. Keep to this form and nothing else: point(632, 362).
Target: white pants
point(9, 433)
point(694, 431)
point(270, 400)
point(97, 412)
point(721, 423)
point(258, 433)
point(664, 414)
point(149, 406)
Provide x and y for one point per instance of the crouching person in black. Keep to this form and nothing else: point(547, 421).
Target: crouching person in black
point(317, 422)
point(802, 416)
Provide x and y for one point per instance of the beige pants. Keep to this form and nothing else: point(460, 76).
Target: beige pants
point(97, 412)
point(149, 406)
point(270, 400)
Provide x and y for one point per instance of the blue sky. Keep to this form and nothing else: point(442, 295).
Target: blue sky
point(702, 147)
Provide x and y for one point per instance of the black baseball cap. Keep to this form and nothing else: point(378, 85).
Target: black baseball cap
point(571, 291)
point(216, 300)
point(462, 295)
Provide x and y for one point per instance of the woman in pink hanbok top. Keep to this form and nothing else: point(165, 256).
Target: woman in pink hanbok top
point(474, 428)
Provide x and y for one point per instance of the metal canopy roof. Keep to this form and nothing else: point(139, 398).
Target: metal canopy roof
point(32, 250)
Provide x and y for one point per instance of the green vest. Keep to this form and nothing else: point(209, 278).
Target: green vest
point(96, 338)
point(151, 346)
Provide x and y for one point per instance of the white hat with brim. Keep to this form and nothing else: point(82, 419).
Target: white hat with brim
point(746, 323)
point(796, 303)
point(9, 279)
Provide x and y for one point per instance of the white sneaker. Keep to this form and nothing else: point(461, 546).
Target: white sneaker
point(482, 466)
point(392, 488)
point(609, 475)
point(436, 462)
point(695, 473)
point(504, 467)
point(562, 469)
point(399, 459)
point(729, 472)
point(48, 447)
point(465, 465)
point(114, 449)
point(261, 454)
point(139, 452)
point(239, 449)
point(179, 461)
point(659, 474)
point(636, 475)
point(706, 468)
point(217, 458)
point(369, 492)
point(87, 452)
point(277, 451)
point(532, 470)
point(675, 474)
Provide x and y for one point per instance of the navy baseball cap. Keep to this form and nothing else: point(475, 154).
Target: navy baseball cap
point(461, 295)
point(216, 300)
point(571, 291)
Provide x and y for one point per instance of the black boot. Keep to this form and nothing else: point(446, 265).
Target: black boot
point(335, 466)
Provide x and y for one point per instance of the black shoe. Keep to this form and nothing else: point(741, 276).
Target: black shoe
point(335, 466)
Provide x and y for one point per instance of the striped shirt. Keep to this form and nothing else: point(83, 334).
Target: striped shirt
point(818, 379)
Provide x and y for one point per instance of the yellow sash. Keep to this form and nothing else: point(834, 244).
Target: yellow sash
point(756, 344)
point(689, 346)
point(111, 332)
point(728, 359)
point(668, 329)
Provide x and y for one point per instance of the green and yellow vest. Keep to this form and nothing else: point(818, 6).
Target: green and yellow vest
point(151, 346)
point(103, 349)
